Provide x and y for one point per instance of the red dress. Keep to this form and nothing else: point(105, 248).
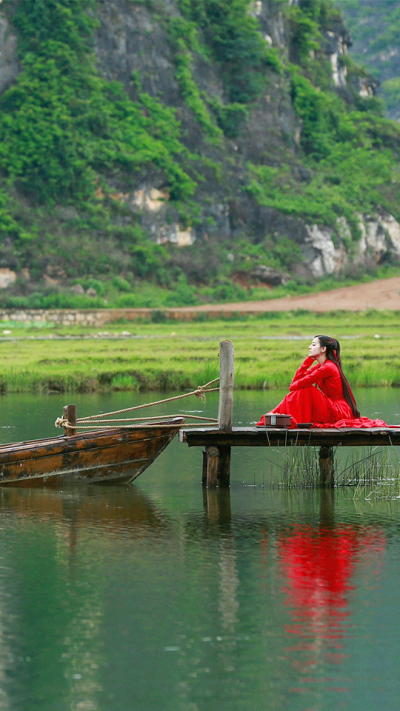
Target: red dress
point(316, 395)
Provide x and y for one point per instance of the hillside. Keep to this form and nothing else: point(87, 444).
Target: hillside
point(164, 152)
point(375, 29)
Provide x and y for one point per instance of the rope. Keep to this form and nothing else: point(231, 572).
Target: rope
point(199, 392)
point(84, 422)
point(142, 426)
point(160, 417)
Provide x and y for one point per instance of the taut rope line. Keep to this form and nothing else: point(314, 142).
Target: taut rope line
point(85, 422)
point(155, 417)
point(199, 392)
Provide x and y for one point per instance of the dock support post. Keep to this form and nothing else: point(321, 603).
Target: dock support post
point(212, 466)
point(224, 467)
point(326, 468)
point(204, 472)
point(71, 415)
point(219, 458)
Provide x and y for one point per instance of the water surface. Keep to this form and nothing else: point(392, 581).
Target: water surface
point(161, 597)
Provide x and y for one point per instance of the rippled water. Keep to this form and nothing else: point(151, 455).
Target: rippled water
point(162, 597)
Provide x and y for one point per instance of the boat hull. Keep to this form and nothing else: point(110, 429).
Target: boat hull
point(107, 456)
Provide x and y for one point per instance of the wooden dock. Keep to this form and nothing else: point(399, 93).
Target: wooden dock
point(274, 437)
point(218, 441)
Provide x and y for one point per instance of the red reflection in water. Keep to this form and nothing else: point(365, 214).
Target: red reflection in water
point(318, 565)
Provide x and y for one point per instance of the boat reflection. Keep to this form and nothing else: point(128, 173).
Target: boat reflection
point(114, 509)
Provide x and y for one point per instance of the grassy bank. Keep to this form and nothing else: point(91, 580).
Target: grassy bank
point(176, 355)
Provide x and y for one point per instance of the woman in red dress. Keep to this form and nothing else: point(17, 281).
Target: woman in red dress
point(319, 392)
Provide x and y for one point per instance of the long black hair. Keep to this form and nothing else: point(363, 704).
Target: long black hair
point(332, 346)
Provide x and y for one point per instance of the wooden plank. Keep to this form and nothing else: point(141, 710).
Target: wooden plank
point(274, 437)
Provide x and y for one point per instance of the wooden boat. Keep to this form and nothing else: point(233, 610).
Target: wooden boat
point(117, 454)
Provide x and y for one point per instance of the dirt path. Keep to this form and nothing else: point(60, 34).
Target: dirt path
point(379, 294)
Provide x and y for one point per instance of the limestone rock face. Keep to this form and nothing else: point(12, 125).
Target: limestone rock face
point(324, 249)
point(131, 41)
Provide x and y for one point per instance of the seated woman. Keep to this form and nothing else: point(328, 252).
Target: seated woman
point(319, 392)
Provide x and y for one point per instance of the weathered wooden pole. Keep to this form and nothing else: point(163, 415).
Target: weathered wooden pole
point(71, 417)
point(212, 466)
point(219, 471)
point(204, 472)
point(226, 366)
point(65, 417)
point(326, 468)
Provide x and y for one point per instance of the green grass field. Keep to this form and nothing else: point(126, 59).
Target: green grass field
point(178, 356)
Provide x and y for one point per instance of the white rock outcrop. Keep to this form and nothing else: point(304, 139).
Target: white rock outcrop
point(7, 278)
point(328, 251)
point(151, 199)
point(176, 235)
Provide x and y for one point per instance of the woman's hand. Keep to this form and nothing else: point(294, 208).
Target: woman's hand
point(308, 361)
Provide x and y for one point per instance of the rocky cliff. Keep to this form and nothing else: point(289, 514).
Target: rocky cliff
point(191, 140)
point(375, 27)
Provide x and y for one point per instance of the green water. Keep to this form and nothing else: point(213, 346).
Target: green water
point(155, 597)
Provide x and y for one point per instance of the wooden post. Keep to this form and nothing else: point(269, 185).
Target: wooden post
point(204, 472)
point(326, 467)
point(212, 466)
point(224, 466)
point(65, 417)
point(72, 415)
point(225, 408)
point(226, 363)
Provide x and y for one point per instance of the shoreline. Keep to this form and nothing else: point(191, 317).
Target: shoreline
point(376, 295)
point(181, 356)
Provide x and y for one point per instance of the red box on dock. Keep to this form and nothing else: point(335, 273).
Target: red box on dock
point(272, 420)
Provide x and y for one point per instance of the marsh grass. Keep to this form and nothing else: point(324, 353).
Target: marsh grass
point(374, 472)
point(300, 468)
point(141, 356)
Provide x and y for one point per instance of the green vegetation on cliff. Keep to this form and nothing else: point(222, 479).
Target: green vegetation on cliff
point(375, 30)
point(62, 126)
point(74, 146)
